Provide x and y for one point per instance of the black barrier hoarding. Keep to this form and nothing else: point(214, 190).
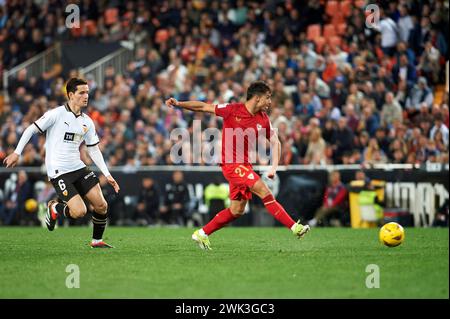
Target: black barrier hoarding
point(418, 191)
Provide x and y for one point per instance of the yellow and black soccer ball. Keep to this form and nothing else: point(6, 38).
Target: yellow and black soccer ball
point(392, 234)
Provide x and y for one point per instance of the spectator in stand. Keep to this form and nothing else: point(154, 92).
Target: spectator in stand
point(342, 140)
point(352, 117)
point(419, 94)
point(315, 154)
point(339, 92)
point(373, 154)
point(389, 30)
point(392, 111)
point(439, 127)
point(404, 71)
point(405, 22)
point(429, 63)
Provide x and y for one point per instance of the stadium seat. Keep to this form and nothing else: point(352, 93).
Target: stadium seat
point(337, 18)
point(334, 41)
point(111, 16)
point(346, 8)
point(439, 94)
point(161, 35)
point(329, 30)
point(313, 31)
point(331, 8)
point(341, 28)
point(319, 42)
point(360, 4)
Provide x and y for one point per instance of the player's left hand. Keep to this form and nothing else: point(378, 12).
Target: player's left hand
point(113, 183)
point(171, 102)
point(271, 174)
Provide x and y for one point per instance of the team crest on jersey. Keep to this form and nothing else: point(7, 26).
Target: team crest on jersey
point(238, 119)
point(85, 128)
point(258, 126)
point(65, 192)
point(250, 176)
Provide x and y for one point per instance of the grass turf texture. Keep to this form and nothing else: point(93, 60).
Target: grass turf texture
point(245, 263)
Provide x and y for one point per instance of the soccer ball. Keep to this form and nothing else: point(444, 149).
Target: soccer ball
point(392, 234)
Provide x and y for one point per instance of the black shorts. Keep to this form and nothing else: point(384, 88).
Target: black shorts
point(78, 182)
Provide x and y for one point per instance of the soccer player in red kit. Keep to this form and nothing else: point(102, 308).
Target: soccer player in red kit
point(247, 120)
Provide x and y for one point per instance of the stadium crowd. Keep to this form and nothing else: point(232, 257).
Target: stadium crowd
point(365, 96)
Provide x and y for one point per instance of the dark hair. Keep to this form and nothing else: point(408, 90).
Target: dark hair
point(257, 88)
point(72, 84)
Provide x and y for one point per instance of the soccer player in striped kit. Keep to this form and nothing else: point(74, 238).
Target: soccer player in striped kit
point(66, 127)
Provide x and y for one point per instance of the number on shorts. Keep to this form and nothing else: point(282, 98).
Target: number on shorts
point(61, 185)
point(239, 172)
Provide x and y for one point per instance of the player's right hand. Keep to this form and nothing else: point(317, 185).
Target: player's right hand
point(11, 160)
point(171, 102)
point(113, 183)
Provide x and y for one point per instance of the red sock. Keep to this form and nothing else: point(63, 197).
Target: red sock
point(220, 220)
point(277, 211)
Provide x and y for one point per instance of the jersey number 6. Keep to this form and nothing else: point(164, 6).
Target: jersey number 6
point(61, 185)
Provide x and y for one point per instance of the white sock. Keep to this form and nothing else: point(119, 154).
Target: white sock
point(96, 241)
point(53, 207)
point(201, 232)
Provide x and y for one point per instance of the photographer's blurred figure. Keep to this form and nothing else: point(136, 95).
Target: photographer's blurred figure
point(176, 201)
point(14, 212)
point(361, 176)
point(148, 203)
point(335, 203)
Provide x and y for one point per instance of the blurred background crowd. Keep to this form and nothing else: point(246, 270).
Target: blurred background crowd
point(342, 92)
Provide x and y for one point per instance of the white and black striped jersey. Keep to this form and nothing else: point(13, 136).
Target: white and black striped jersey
point(65, 132)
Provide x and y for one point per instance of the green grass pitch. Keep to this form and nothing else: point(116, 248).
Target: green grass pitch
point(244, 263)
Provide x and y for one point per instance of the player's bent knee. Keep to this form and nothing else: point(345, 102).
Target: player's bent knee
point(237, 212)
point(263, 192)
point(78, 212)
point(102, 208)
point(260, 189)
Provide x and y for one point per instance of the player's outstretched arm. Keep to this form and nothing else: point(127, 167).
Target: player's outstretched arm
point(196, 106)
point(12, 159)
point(96, 155)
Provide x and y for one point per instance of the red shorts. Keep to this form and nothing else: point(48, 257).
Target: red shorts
point(241, 178)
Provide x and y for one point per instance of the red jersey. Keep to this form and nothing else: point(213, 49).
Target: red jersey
point(241, 131)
